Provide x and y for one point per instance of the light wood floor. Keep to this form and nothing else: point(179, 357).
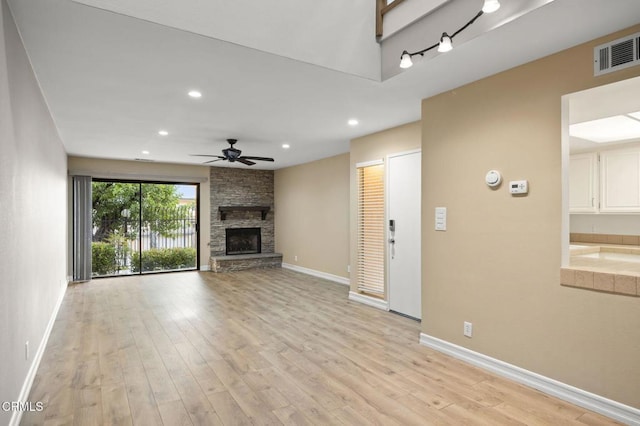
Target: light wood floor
point(260, 347)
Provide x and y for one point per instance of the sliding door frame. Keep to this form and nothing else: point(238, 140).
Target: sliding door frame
point(141, 182)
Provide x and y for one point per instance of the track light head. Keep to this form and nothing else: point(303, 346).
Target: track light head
point(405, 60)
point(490, 6)
point(445, 43)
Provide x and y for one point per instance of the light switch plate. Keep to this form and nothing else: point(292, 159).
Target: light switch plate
point(467, 329)
point(441, 218)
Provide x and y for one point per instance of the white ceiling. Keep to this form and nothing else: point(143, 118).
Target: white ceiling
point(323, 33)
point(619, 98)
point(112, 80)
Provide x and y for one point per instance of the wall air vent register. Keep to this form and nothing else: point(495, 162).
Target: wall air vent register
point(616, 55)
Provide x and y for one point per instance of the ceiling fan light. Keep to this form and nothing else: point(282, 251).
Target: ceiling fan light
point(445, 43)
point(405, 60)
point(490, 6)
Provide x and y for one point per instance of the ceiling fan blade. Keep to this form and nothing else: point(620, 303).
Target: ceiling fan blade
point(206, 155)
point(248, 157)
point(243, 160)
point(213, 161)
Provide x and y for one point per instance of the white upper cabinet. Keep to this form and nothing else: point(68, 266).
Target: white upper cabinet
point(583, 183)
point(619, 181)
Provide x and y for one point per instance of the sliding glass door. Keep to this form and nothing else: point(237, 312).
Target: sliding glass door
point(168, 238)
point(143, 227)
point(116, 219)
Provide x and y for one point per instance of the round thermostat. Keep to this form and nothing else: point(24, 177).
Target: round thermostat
point(493, 178)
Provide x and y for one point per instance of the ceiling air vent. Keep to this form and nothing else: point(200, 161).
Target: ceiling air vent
point(616, 55)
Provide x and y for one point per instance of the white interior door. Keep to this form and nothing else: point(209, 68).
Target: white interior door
point(403, 208)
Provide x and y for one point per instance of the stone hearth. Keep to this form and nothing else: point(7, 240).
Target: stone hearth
point(245, 261)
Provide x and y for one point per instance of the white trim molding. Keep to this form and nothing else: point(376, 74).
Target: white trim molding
point(31, 374)
point(369, 163)
point(401, 153)
point(137, 176)
point(319, 274)
point(607, 407)
point(368, 300)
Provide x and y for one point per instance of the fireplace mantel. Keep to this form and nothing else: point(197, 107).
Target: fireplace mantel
point(225, 209)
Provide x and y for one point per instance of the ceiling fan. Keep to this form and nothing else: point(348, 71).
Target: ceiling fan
point(232, 155)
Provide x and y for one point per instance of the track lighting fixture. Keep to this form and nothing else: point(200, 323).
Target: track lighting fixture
point(446, 41)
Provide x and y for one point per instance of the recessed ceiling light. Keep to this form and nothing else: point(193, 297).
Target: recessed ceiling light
point(610, 129)
point(163, 132)
point(352, 122)
point(195, 94)
point(145, 152)
point(286, 146)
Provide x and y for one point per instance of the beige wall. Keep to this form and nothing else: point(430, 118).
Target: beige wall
point(498, 263)
point(33, 217)
point(154, 171)
point(312, 215)
point(370, 148)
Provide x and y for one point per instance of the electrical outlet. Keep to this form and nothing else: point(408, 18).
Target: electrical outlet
point(348, 268)
point(26, 350)
point(467, 329)
point(295, 258)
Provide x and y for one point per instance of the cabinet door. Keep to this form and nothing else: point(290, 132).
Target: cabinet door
point(583, 183)
point(620, 181)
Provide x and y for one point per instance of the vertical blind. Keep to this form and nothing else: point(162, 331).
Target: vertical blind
point(371, 229)
point(82, 209)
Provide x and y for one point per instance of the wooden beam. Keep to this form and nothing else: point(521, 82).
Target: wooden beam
point(380, 4)
point(381, 9)
point(390, 6)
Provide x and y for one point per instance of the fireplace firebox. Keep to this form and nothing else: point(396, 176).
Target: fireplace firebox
point(243, 241)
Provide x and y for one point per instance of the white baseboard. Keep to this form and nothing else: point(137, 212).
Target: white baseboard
point(607, 407)
point(368, 300)
point(319, 274)
point(31, 375)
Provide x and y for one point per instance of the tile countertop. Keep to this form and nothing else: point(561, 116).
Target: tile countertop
point(606, 268)
point(611, 258)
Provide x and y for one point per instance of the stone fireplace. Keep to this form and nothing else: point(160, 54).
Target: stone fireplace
point(242, 214)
